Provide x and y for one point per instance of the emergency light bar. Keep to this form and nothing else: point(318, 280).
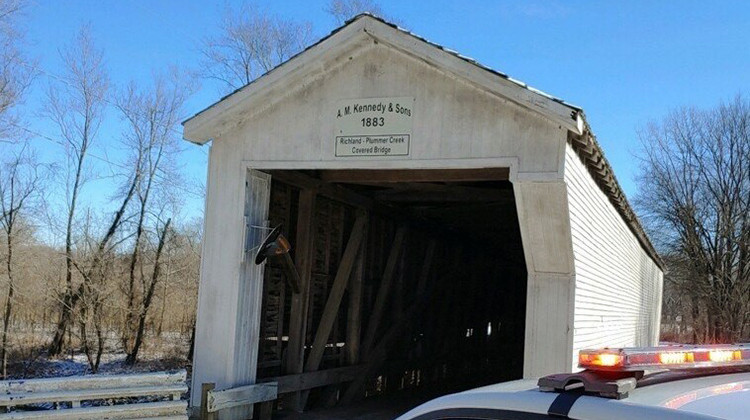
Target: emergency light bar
point(666, 357)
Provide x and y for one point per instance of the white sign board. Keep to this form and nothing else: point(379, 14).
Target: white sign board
point(374, 127)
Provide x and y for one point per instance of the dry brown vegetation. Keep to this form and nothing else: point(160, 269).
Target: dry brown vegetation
point(40, 278)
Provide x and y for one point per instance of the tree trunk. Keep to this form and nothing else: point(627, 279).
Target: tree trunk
point(58, 341)
point(132, 356)
point(8, 306)
point(192, 344)
point(127, 339)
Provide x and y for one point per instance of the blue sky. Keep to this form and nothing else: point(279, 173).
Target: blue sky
point(625, 63)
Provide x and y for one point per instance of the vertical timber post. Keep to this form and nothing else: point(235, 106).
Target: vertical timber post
point(250, 291)
point(354, 312)
point(205, 389)
point(301, 301)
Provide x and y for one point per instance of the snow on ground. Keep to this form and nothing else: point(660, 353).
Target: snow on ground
point(111, 364)
point(159, 353)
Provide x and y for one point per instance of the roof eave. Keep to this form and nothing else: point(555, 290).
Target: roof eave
point(592, 156)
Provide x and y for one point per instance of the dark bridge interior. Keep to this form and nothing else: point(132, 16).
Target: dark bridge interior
point(415, 284)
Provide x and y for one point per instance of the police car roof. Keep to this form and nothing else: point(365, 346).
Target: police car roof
point(725, 396)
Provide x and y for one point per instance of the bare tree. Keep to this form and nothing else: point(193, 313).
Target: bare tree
point(343, 10)
point(94, 271)
point(251, 43)
point(19, 184)
point(152, 117)
point(15, 73)
point(76, 107)
point(149, 289)
point(695, 196)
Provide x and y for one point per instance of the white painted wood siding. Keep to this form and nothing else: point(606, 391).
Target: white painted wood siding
point(618, 286)
point(455, 124)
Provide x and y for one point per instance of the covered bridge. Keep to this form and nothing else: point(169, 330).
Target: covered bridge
point(450, 226)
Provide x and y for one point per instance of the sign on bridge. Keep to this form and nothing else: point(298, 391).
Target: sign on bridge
point(374, 127)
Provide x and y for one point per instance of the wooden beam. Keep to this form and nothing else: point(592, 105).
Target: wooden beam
point(335, 192)
point(449, 193)
point(337, 292)
point(206, 389)
point(268, 389)
point(310, 380)
point(243, 395)
point(354, 312)
point(265, 410)
point(331, 309)
point(301, 301)
point(379, 353)
point(368, 176)
point(385, 285)
point(424, 274)
point(345, 195)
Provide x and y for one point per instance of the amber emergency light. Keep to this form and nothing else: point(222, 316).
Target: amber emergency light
point(666, 357)
point(614, 372)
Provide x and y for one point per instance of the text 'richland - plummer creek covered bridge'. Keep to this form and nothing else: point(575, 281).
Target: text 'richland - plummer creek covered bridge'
point(450, 227)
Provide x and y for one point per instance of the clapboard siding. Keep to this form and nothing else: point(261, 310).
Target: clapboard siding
point(618, 286)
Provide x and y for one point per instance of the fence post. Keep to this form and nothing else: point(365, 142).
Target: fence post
point(205, 388)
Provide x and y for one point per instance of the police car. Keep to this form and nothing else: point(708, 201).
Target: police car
point(671, 382)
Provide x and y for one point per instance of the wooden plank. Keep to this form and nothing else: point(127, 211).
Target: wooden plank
point(385, 285)
point(369, 176)
point(301, 301)
point(341, 194)
point(462, 212)
point(398, 285)
point(309, 380)
point(337, 292)
point(91, 394)
point(269, 388)
point(424, 274)
point(403, 322)
point(354, 312)
point(280, 321)
point(243, 395)
point(206, 389)
point(333, 303)
point(173, 409)
point(266, 410)
point(246, 330)
point(92, 382)
point(377, 356)
point(334, 192)
point(448, 193)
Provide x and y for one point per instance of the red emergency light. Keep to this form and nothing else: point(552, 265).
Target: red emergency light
point(665, 357)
